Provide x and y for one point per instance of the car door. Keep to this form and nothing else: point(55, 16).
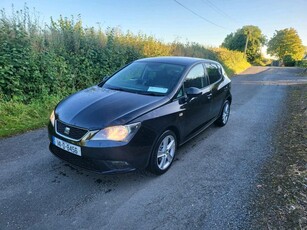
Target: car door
point(196, 109)
point(218, 91)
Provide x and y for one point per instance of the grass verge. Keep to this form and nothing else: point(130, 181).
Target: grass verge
point(16, 117)
point(281, 202)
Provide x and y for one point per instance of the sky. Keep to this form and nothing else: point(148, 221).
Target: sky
point(203, 21)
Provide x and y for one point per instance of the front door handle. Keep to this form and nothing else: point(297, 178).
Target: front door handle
point(209, 95)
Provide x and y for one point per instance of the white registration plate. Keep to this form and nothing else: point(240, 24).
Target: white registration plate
point(67, 146)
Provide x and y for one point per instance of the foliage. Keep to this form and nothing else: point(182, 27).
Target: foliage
point(193, 50)
point(302, 63)
point(146, 46)
point(237, 41)
point(58, 59)
point(41, 64)
point(64, 56)
point(233, 61)
point(289, 61)
point(285, 43)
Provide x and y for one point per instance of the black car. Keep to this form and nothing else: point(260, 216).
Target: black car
point(138, 117)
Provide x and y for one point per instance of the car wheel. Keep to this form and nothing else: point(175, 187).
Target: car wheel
point(163, 153)
point(224, 116)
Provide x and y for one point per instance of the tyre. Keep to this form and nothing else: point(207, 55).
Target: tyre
point(163, 153)
point(224, 116)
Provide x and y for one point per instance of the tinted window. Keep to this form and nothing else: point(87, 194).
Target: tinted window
point(196, 77)
point(213, 73)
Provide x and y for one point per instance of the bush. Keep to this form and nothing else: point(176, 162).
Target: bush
point(40, 65)
point(302, 63)
point(64, 56)
point(233, 61)
point(288, 61)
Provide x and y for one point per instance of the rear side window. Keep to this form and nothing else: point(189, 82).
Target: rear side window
point(196, 77)
point(213, 72)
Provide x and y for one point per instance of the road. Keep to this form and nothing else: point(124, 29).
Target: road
point(209, 186)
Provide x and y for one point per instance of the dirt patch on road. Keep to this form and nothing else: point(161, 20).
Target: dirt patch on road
point(281, 200)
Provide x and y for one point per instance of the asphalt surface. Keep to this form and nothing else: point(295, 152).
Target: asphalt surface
point(209, 186)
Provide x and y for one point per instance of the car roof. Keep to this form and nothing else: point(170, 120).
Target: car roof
point(187, 61)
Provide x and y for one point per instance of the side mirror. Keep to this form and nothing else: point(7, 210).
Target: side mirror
point(193, 92)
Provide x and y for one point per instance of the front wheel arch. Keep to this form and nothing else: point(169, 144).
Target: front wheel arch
point(229, 98)
point(161, 153)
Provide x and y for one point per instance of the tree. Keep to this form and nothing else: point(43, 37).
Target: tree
point(249, 37)
point(286, 43)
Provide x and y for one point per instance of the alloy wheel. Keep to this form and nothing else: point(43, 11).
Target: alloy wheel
point(226, 112)
point(166, 152)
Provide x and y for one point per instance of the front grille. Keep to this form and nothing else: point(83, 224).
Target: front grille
point(74, 132)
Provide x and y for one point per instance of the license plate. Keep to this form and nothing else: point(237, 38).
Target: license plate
point(74, 149)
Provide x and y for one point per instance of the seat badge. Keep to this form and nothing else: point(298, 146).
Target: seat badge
point(67, 130)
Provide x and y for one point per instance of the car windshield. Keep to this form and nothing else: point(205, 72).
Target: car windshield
point(149, 78)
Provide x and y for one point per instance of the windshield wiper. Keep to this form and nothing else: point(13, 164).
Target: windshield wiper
point(135, 91)
point(150, 93)
point(116, 88)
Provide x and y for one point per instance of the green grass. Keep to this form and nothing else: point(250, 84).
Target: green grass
point(17, 117)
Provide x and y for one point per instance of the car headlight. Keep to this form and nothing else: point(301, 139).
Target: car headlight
point(52, 118)
point(117, 133)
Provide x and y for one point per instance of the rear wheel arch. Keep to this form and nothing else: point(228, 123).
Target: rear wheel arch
point(224, 114)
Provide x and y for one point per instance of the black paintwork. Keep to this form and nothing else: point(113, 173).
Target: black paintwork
point(97, 107)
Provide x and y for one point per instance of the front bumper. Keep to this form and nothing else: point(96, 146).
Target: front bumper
point(108, 156)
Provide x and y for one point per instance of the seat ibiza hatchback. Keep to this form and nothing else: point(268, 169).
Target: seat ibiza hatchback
point(138, 117)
